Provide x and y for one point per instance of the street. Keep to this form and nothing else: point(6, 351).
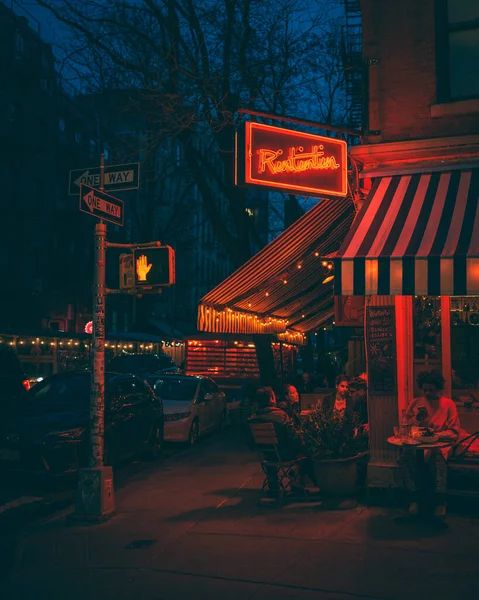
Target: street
point(190, 524)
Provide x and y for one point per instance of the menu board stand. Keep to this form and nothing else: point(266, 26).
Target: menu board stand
point(381, 350)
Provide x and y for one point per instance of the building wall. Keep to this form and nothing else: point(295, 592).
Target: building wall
point(404, 92)
point(43, 255)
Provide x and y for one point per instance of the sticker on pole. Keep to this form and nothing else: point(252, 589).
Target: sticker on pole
point(101, 205)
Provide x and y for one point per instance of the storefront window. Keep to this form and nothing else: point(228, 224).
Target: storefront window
point(465, 348)
point(427, 336)
point(427, 328)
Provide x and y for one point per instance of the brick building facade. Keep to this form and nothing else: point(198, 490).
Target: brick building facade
point(413, 250)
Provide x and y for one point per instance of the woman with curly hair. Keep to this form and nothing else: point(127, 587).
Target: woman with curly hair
point(438, 414)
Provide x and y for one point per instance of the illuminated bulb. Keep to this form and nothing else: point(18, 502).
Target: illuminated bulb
point(285, 281)
point(300, 266)
point(324, 263)
point(267, 294)
point(316, 254)
point(330, 266)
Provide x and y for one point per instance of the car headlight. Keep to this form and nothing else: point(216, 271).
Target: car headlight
point(177, 416)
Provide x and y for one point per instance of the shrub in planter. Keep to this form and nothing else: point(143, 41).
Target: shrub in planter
point(334, 441)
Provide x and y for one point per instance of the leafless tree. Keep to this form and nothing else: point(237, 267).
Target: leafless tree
point(194, 63)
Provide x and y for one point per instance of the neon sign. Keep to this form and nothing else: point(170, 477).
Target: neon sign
point(293, 161)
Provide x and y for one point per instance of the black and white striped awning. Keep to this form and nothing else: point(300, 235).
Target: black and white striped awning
point(415, 234)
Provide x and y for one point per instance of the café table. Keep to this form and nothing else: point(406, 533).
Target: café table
point(420, 449)
point(421, 446)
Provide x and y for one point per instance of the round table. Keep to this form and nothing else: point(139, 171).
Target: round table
point(439, 444)
point(394, 441)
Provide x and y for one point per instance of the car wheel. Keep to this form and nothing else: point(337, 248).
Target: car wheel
point(194, 433)
point(155, 445)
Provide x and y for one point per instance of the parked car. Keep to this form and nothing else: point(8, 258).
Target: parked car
point(51, 430)
point(193, 405)
point(143, 364)
point(13, 382)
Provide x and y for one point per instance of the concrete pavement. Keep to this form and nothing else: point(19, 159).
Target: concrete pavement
point(192, 528)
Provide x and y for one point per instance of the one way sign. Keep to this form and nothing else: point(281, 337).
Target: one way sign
point(116, 178)
point(101, 205)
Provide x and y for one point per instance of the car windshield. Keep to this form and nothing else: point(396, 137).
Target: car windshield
point(175, 389)
point(65, 394)
point(134, 364)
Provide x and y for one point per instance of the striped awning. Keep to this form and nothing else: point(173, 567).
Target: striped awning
point(281, 289)
point(415, 234)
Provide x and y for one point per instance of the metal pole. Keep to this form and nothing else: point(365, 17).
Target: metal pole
point(97, 399)
point(95, 495)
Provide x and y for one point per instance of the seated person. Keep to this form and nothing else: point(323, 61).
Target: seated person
point(290, 445)
point(290, 404)
point(438, 414)
point(358, 392)
point(340, 400)
point(305, 384)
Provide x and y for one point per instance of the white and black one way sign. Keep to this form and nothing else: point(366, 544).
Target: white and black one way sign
point(101, 205)
point(116, 178)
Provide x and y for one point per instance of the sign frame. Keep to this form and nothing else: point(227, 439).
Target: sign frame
point(138, 250)
point(98, 213)
point(296, 160)
point(75, 174)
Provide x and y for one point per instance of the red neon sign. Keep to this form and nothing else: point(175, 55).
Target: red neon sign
point(311, 165)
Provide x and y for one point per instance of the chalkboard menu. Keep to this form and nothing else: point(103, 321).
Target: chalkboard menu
point(381, 348)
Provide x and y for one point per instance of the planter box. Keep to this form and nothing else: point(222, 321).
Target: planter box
point(337, 476)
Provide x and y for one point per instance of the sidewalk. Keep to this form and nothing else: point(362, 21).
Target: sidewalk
point(192, 528)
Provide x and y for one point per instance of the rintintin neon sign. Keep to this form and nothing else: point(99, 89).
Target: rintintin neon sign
point(310, 165)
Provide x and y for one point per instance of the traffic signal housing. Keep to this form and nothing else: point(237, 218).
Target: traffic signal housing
point(154, 267)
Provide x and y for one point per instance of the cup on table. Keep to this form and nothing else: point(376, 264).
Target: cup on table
point(415, 431)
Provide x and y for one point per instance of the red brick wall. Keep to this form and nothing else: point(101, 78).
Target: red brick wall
point(401, 34)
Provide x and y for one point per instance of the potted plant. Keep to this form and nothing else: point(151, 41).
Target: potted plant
point(335, 442)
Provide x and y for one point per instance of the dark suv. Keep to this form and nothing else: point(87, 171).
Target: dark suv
point(143, 364)
point(13, 382)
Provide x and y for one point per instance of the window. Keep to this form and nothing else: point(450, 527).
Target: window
point(458, 49)
point(427, 336)
point(19, 45)
point(465, 348)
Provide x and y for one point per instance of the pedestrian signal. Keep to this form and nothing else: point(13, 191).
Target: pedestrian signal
point(154, 266)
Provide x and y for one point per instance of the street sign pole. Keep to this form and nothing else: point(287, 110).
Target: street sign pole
point(95, 497)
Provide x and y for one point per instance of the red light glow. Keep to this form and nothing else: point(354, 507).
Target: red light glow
point(292, 160)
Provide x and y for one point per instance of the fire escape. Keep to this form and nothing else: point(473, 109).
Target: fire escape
point(353, 63)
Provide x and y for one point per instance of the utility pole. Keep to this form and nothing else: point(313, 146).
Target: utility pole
point(95, 497)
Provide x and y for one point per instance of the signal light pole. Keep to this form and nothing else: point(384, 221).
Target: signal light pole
point(95, 495)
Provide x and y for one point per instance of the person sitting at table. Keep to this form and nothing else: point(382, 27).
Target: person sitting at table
point(290, 444)
point(340, 400)
point(290, 404)
point(305, 384)
point(358, 391)
point(439, 414)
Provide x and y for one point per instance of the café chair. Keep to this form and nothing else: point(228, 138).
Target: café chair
point(279, 474)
